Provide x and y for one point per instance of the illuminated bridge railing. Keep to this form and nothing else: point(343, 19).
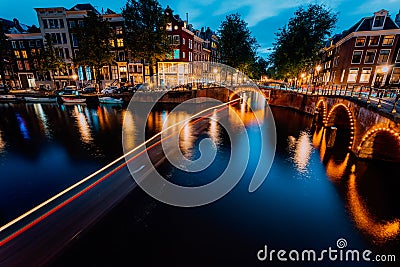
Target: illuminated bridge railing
point(385, 99)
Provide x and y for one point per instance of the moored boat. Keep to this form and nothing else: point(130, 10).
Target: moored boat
point(8, 98)
point(73, 100)
point(110, 100)
point(40, 99)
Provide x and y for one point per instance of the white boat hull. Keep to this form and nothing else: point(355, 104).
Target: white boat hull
point(110, 100)
point(41, 99)
point(73, 100)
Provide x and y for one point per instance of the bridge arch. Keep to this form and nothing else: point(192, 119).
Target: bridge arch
point(380, 142)
point(341, 117)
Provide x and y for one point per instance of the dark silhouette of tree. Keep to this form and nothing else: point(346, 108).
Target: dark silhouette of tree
point(145, 32)
point(94, 42)
point(297, 43)
point(4, 52)
point(50, 59)
point(238, 47)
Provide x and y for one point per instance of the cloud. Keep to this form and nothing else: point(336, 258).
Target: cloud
point(371, 6)
point(259, 10)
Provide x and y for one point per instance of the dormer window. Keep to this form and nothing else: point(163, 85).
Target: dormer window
point(378, 22)
point(379, 19)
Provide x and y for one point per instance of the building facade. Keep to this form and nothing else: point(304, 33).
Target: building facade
point(366, 54)
point(188, 45)
point(26, 48)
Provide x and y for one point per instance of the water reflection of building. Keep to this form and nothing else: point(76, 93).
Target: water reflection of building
point(83, 125)
point(2, 143)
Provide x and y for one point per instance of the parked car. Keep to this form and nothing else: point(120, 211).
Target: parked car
point(141, 87)
point(69, 90)
point(89, 90)
point(110, 90)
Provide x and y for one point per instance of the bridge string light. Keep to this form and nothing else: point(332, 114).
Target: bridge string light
point(375, 131)
point(324, 120)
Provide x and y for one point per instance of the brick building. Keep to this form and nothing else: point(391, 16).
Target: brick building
point(365, 54)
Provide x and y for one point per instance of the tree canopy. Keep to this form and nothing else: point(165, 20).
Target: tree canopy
point(238, 47)
point(4, 52)
point(95, 37)
point(297, 43)
point(145, 32)
point(49, 58)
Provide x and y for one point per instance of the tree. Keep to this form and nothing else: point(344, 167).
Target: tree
point(4, 52)
point(259, 68)
point(297, 44)
point(145, 33)
point(238, 47)
point(49, 59)
point(94, 39)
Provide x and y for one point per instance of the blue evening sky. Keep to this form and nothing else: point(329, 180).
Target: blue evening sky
point(263, 16)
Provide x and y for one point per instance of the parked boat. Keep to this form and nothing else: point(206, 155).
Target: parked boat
point(73, 100)
point(8, 98)
point(41, 99)
point(110, 100)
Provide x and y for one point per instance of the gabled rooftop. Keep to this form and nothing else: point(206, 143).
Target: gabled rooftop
point(379, 21)
point(84, 7)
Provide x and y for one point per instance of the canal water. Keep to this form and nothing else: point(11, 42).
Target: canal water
point(313, 195)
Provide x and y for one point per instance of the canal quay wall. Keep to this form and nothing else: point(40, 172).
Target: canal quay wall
point(374, 134)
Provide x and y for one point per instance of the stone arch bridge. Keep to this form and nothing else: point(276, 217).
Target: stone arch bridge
point(371, 134)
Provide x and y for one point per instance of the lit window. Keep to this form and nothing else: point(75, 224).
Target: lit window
point(112, 43)
point(360, 41)
point(365, 75)
point(169, 26)
point(183, 54)
point(352, 75)
point(370, 56)
point(175, 40)
point(395, 75)
point(16, 53)
point(120, 42)
point(388, 40)
point(356, 57)
point(176, 54)
point(20, 66)
point(374, 40)
point(27, 66)
point(24, 54)
point(118, 30)
point(384, 56)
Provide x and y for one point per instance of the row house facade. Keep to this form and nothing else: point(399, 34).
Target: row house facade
point(60, 23)
point(25, 49)
point(188, 46)
point(24, 44)
point(366, 54)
